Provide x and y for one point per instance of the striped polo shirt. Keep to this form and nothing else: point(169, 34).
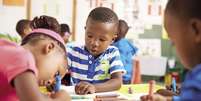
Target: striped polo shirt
point(84, 67)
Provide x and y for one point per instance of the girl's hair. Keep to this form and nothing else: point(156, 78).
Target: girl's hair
point(185, 8)
point(44, 22)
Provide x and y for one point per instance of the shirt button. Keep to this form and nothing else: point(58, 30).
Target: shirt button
point(90, 56)
point(90, 62)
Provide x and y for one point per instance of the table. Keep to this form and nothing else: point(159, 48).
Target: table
point(137, 91)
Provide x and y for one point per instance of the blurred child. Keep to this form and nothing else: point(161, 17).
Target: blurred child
point(23, 27)
point(183, 24)
point(40, 57)
point(65, 32)
point(126, 49)
point(96, 66)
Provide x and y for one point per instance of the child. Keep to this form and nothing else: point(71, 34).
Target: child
point(126, 49)
point(23, 27)
point(183, 24)
point(40, 57)
point(96, 66)
point(65, 32)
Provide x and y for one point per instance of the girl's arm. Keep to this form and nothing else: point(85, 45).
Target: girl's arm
point(27, 89)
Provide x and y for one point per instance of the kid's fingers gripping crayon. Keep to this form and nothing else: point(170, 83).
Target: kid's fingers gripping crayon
point(58, 83)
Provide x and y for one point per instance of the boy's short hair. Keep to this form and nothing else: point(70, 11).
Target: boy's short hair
point(103, 14)
point(123, 28)
point(185, 8)
point(65, 28)
point(21, 25)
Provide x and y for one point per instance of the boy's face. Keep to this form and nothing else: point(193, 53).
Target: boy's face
point(180, 34)
point(66, 38)
point(98, 36)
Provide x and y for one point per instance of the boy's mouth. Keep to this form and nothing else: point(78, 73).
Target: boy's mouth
point(93, 50)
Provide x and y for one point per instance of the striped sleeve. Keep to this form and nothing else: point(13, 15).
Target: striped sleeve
point(116, 64)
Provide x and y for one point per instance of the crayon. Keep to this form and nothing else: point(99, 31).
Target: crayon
point(174, 85)
point(58, 83)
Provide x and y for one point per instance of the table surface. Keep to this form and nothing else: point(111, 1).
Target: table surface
point(137, 91)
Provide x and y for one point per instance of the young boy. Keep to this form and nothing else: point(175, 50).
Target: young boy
point(183, 24)
point(65, 32)
point(96, 66)
point(23, 27)
point(40, 57)
point(126, 49)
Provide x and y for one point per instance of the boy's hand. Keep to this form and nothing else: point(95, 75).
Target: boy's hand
point(84, 88)
point(154, 97)
point(61, 96)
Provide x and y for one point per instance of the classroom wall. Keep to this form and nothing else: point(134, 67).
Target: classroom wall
point(60, 9)
point(9, 15)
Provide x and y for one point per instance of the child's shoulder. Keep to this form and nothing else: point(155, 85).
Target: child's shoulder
point(12, 53)
point(111, 47)
point(75, 47)
point(197, 72)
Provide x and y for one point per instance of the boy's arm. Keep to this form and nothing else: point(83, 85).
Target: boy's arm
point(27, 89)
point(113, 84)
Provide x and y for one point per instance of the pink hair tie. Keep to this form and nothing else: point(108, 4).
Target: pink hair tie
point(49, 33)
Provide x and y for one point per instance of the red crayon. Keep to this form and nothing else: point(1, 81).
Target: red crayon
point(151, 87)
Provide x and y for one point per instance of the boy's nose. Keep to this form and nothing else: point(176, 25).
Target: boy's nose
point(95, 43)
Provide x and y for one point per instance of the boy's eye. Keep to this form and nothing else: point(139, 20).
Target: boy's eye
point(89, 36)
point(102, 40)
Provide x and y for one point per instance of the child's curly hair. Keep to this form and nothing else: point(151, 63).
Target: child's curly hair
point(46, 22)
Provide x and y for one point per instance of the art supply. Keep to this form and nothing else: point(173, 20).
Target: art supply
point(58, 83)
point(79, 97)
point(130, 90)
point(107, 95)
point(151, 87)
point(174, 85)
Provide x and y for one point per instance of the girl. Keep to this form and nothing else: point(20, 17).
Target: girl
point(40, 57)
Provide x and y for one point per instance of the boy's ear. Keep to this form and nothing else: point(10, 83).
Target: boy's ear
point(196, 28)
point(49, 47)
point(114, 38)
point(85, 27)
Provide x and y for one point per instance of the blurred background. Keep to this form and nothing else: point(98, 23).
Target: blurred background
point(144, 17)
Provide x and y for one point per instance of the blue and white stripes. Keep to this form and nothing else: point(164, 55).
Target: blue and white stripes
point(84, 67)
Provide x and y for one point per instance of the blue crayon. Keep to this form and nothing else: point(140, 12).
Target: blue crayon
point(174, 85)
point(58, 83)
